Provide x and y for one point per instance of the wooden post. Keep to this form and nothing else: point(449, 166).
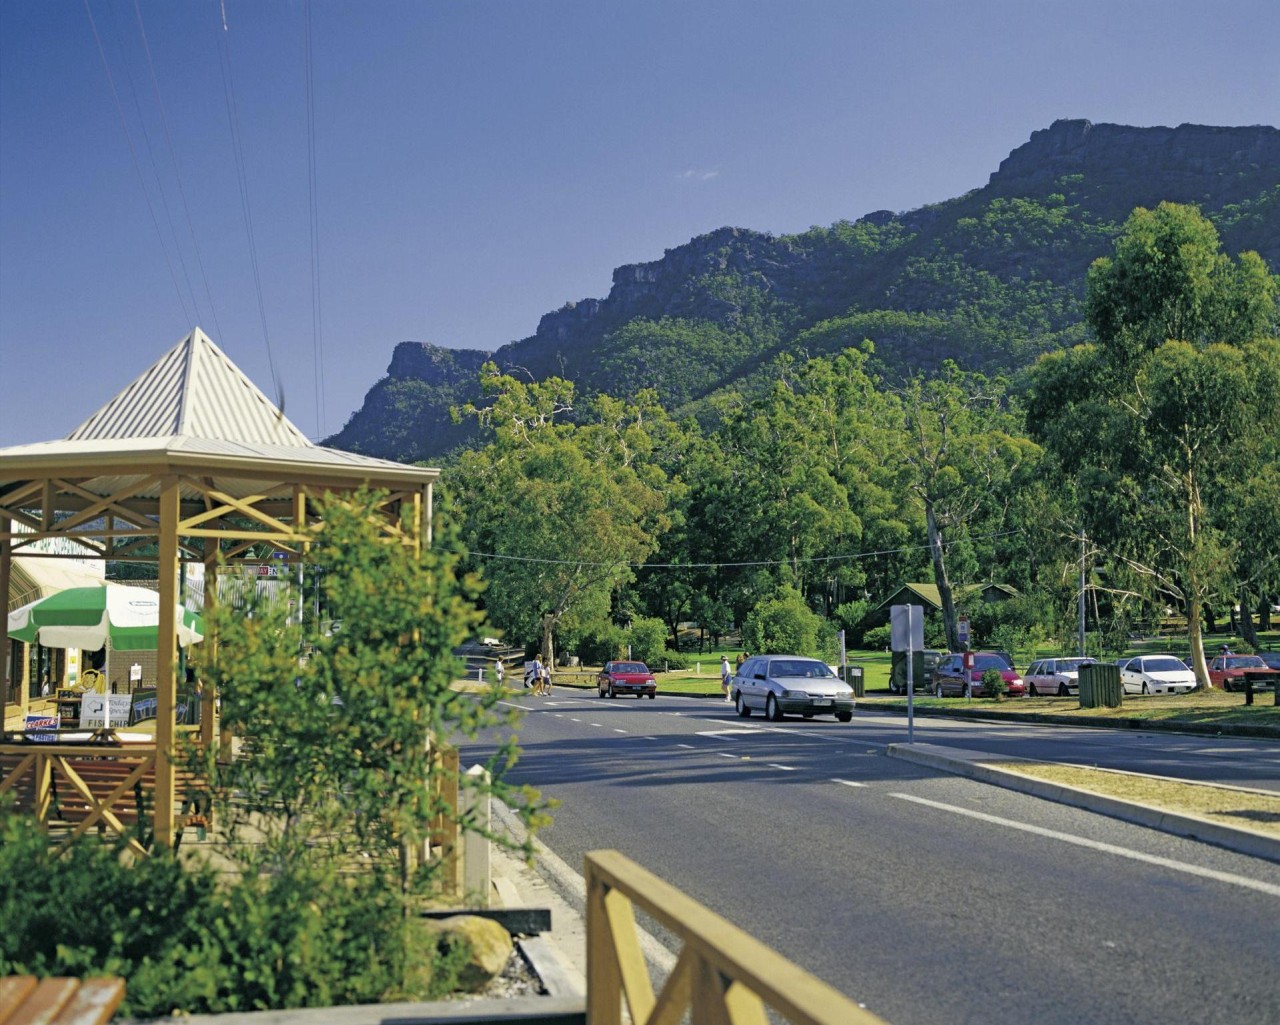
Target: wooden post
point(166, 661)
point(6, 559)
point(604, 980)
point(209, 698)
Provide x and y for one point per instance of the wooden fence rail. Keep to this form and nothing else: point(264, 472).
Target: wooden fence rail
point(722, 975)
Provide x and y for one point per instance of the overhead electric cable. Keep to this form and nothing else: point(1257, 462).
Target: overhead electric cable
point(155, 170)
point(242, 177)
point(137, 167)
point(177, 173)
point(317, 333)
point(848, 556)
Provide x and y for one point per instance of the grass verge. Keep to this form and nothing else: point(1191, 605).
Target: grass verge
point(1237, 808)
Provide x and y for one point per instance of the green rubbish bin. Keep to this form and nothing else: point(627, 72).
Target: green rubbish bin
point(922, 663)
point(1100, 685)
point(853, 676)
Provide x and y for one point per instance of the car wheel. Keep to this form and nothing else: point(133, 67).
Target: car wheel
point(1063, 691)
point(1144, 688)
point(771, 711)
point(844, 716)
point(612, 694)
point(599, 693)
point(968, 690)
point(741, 704)
point(653, 696)
point(1226, 685)
point(937, 690)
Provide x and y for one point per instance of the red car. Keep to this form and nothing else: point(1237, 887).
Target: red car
point(951, 678)
point(626, 678)
point(1231, 671)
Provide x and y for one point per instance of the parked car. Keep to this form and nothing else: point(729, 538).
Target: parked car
point(781, 685)
point(1271, 658)
point(1156, 674)
point(1231, 672)
point(626, 678)
point(1060, 676)
point(898, 674)
point(950, 678)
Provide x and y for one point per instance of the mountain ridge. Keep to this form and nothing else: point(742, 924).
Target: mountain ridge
point(992, 277)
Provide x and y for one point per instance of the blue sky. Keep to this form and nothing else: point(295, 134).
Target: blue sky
point(478, 164)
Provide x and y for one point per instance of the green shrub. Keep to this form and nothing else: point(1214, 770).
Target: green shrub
point(877, 638)
point(783, 623)
point(993, 684)
point(648, 640)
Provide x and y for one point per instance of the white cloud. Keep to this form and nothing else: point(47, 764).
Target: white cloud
point(697, 174)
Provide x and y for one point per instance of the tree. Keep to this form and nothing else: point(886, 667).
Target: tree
point(560, 511)
point(1170, 416)
point(963, 445)
point(783, 623)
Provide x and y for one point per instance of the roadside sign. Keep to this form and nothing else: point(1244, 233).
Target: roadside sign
point(962, 630)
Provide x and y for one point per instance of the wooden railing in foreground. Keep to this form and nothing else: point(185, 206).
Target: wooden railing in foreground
point(110, 788)
point(722, 975)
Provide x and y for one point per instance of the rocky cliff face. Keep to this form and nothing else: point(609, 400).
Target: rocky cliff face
point(763, 292)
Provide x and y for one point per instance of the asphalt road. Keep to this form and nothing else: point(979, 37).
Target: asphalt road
point(927, 897)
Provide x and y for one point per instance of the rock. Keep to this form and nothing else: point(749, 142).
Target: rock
point(488, 944)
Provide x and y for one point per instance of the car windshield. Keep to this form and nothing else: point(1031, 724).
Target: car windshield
point(989, 662)
point(1246, 662)
point(799, 667)
point(1162, 665)
point(630, 667)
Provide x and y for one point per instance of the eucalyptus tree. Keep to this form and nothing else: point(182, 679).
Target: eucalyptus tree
point(561, 502)
point(1169, 419)
point(963, 445)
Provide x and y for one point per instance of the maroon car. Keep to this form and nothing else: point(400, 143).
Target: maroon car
point(626, 678)
point(950, 677)
point(1231, 672)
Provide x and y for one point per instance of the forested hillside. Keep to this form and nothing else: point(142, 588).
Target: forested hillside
point(991, 279)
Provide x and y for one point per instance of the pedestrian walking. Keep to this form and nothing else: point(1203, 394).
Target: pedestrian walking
point(546, 679)
point(726, 677)
point(533, 675)
point(498, 671)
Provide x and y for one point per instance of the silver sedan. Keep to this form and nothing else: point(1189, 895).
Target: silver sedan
point(779, 685)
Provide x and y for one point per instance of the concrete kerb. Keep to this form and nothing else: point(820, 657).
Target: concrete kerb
point(975, 765)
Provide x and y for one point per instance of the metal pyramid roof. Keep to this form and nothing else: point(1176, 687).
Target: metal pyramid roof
point(193, 391)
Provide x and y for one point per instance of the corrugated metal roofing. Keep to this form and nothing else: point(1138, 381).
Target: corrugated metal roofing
point(192, 390)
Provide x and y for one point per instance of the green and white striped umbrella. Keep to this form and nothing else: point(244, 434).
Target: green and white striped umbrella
point(115, 616)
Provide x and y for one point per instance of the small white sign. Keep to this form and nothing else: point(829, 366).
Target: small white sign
point(105, 709)
point(906, 628)
point(135, 672)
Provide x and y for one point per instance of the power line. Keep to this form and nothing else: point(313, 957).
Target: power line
point(316, 322)
point(177, 173)
point(137, 167)
point(719, 564)
point(242, 177)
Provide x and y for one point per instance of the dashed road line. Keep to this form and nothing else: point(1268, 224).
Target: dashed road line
point(784, 768)
point(616, 730)
point(726, 754)
point(848, 782)
point(688, 747)
point(1096, 845)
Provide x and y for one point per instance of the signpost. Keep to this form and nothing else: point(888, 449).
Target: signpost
point(906, 633)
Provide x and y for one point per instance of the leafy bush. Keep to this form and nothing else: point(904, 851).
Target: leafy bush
point(877, 638)
point(673, 660)
point(783, 623)
point(597, 645)
point(336, 786)
point(648, 640)
point(993, 684)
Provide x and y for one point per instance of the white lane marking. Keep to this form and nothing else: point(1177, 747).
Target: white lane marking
point(689, 747)
point(572, 719)
point(1096, 845)
point(725, 754)
point(725, 733)
point(616, 730)
point(784, 768)
point(597, 725)
point(648, 738)
point(848, 782)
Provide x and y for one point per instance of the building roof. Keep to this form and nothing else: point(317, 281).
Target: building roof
point(928, 593)
point(195, 410)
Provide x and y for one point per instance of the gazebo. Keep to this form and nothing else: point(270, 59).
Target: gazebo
point(191, 463)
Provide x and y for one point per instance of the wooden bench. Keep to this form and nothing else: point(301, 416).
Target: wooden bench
point(25, 1000)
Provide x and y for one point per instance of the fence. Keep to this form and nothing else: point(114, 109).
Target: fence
point(722, 976)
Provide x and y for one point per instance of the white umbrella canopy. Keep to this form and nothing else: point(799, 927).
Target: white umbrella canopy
point(115, 616)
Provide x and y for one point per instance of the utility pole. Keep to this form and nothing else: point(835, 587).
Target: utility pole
point(1081, 601)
